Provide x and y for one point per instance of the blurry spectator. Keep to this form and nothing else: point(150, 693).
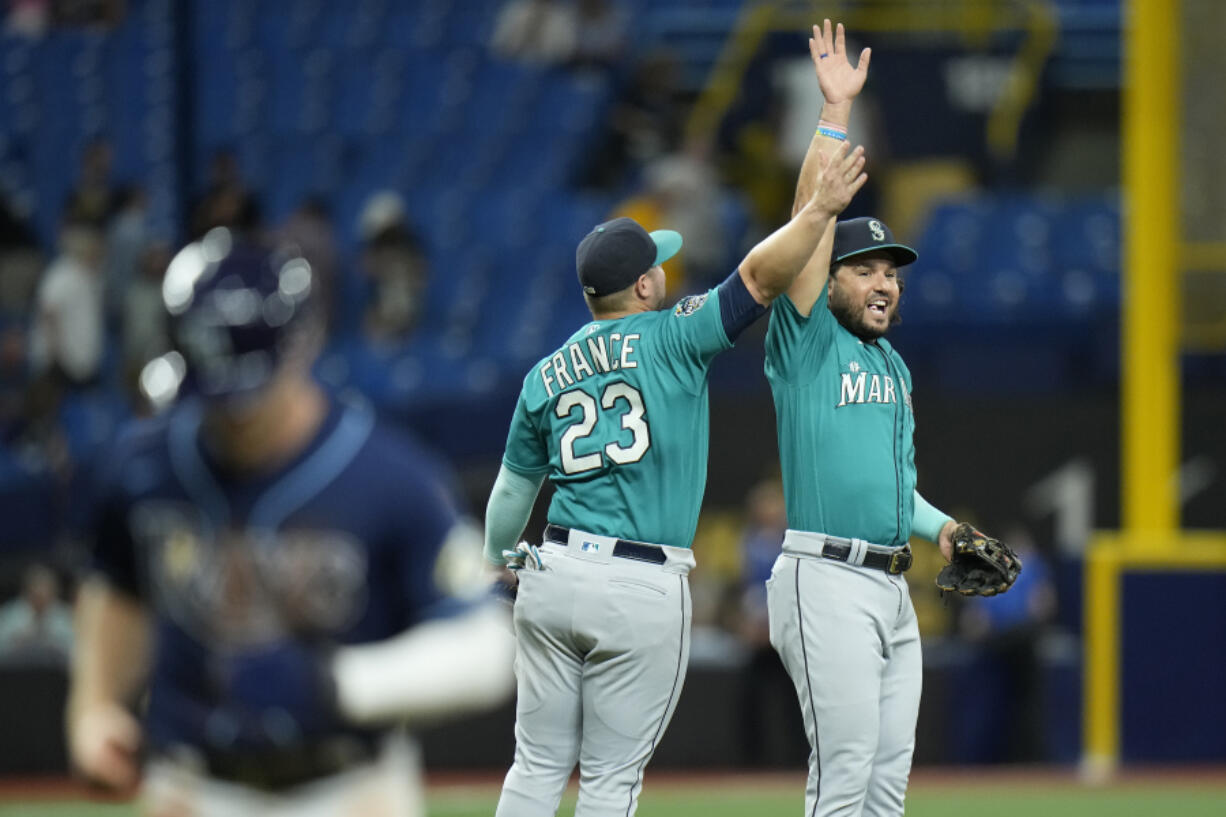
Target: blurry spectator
point(145, 334)
point(536, 31)
point(88, 12)
point(30, 430)
point(126, 241)
point(14, 231)
point(393, 259)
point(21, 263)
point(94, 199)
point(226, 201)
point(13, 379)
point(1006, 631)
point(766, 692)
point(681, 192)
point(645, 123)
point(310, 229)
point(37, 621)
point(601, 34)
point(28, 18)
point(66, 337)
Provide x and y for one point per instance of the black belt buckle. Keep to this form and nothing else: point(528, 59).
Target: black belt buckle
point(900, 561)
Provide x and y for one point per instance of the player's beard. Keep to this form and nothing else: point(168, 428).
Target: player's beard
point(850, 314)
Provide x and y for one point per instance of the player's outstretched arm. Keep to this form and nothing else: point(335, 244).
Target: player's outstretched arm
point(772, 266)
point(840, 84)
point(440, 668)
point(109, 663)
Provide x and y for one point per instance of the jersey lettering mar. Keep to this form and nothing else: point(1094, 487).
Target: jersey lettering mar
point(617, 418)
point(845, 423)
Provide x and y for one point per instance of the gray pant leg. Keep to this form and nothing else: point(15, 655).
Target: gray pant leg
point(900, 700)
point(548, 708)
point(632, 679)
point(826, 624)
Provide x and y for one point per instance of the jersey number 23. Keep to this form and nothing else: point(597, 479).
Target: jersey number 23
point(632, 421)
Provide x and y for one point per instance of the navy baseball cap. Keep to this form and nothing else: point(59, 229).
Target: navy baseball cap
point(614, 254)
point(861, 235)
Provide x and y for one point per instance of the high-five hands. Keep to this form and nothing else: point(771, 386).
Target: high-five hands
point(840, 82)
point(841, 177)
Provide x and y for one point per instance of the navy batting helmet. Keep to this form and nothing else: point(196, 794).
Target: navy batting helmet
point(236, 310)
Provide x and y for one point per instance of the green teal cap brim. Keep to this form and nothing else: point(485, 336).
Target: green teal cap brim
point(668, 244)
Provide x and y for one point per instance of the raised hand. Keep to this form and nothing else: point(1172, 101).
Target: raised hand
point(840, 82)
point(840, 179)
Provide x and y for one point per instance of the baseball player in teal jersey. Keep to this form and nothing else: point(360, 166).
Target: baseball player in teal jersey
point(841, 616)
point(617, 419)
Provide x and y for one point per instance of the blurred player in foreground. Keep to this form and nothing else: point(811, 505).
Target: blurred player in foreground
point(286, 578)
point(617, 419)
point(840, 611)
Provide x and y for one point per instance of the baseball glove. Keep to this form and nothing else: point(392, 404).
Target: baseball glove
point(980, 565)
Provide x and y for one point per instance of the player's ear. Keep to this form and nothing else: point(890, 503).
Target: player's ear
point(642, 287)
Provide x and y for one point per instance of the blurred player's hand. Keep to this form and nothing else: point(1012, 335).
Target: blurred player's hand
point(840, 82)
point(840, 178)
point(104, 740)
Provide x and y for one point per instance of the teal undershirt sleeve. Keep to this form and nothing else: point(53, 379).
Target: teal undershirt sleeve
point(507, 512)
point(927, 521)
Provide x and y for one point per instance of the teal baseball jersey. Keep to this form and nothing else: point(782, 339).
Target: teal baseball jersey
point(618, 419)
point(845, 424)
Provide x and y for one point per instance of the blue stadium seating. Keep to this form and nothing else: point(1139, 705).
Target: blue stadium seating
point(344, 99)
point(1018, 258)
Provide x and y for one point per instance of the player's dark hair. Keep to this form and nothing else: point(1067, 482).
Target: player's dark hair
point(613, 302)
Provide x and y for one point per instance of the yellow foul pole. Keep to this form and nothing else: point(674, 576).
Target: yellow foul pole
point(1150, 370)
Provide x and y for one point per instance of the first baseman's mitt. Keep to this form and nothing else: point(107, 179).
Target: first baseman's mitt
point(980, 565)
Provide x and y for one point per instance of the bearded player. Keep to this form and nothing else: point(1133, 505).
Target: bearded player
point(278, 580)
point(840, 611)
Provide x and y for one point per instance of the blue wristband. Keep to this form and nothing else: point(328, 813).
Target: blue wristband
point(833, 134)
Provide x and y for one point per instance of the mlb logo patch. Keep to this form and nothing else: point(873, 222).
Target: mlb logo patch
point(590, 547)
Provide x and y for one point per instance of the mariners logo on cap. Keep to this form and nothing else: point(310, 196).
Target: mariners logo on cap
point(877, 230)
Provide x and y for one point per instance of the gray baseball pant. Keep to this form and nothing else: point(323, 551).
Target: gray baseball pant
point(849, 639)
point(602, 645)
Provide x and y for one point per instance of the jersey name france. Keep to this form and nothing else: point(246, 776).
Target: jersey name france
point(617, 418)
point(344, 544)
point(845, 423)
